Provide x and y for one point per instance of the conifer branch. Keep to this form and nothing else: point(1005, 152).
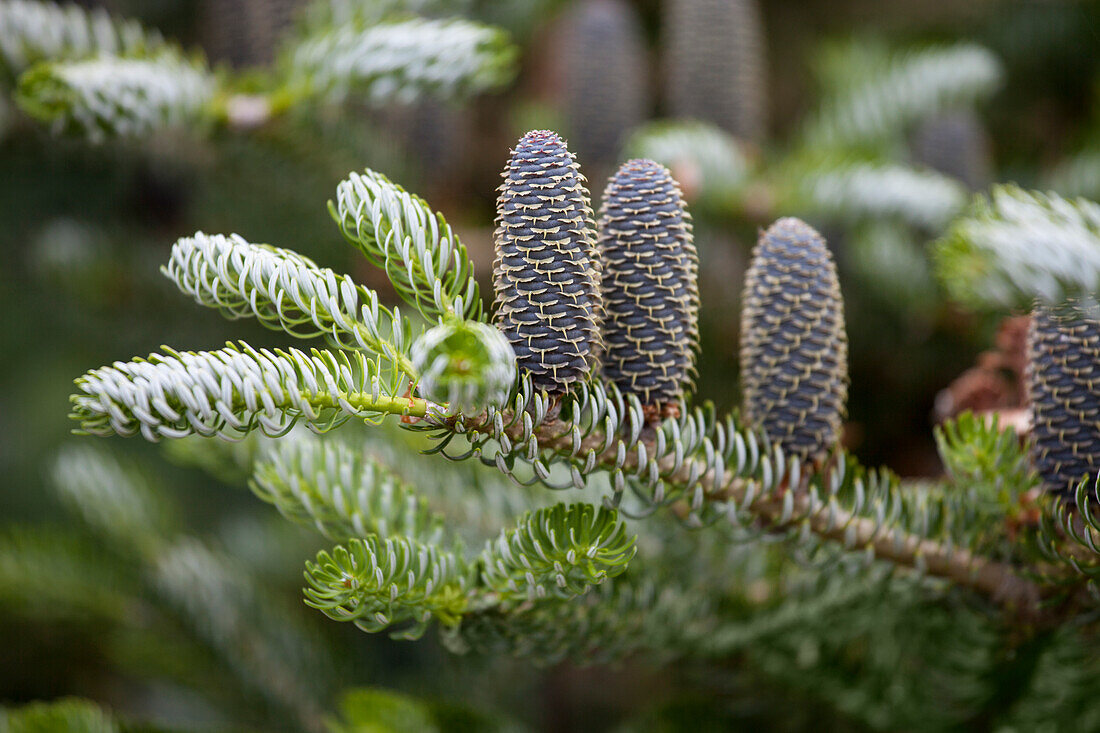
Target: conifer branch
point(238, 389)
point(705, 160)
point(219, 600)
point(64, 714)
point(911, 86)
point(556, 552)
point(107, 97)
point(342, 493)
point(379, 582)
point(418, 250)
point(1016, 246)
point(54, 573)
point(33, 31)
point(613, 621)
point(1078, 175)
point(977, 451)
point(721, 468)
point(287, 291)
point(403, 59)
point(923, 198)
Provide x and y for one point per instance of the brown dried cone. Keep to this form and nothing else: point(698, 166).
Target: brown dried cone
point(604, 78)
point(546, 275)
point(794, 348)
point(714, 58)
point(1063, 379)
point(650, 285)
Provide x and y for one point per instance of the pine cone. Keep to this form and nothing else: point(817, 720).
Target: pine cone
point(650, 290)
point(246, 32)
point(604, 78)
point(955, 144)
point(546, 275)
point(794, 349)
point(1063, 378)
point(714, 54)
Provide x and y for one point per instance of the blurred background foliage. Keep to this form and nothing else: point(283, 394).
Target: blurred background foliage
point(874, 121)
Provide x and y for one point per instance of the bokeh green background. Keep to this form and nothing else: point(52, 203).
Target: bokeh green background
point(84, 229)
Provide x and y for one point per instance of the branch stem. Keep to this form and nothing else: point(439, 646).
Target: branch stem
point(1000, 582)
point(364, 401)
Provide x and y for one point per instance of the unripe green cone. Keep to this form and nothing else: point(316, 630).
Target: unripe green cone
point(1063, 380)
point(546, 275)
point(650, 284)
point(794, 349)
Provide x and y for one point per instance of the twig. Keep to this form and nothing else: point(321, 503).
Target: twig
point(1000, 582)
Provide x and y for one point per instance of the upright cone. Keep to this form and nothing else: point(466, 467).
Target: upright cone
point(546, 275)
point(604, 78)
point(1063, 381)
point(794, 348)
point(650, 288)
point(714, 64)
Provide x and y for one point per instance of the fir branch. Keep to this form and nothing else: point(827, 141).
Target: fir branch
point(382, 710)
point(718, 468)
point(400, 60)
point(923, 198)
point(111, 497)
point(54, 572)
point(892, 264)
point(107, 97)
point(399, 232)
point(218, 599)
point(1069, 536)
point(612, 622)
point(912, 86)
point(32, 31)
point(266, 647)
point(948, 651)
point(230, 462)
point(1060, 692)
point(379, 583)
point(342, 493)
point(327, 14)
point(288, 292)
point(236, 390)
point(556, 552)
point(476, 499)
point(978, 452)
point(1016, 246)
